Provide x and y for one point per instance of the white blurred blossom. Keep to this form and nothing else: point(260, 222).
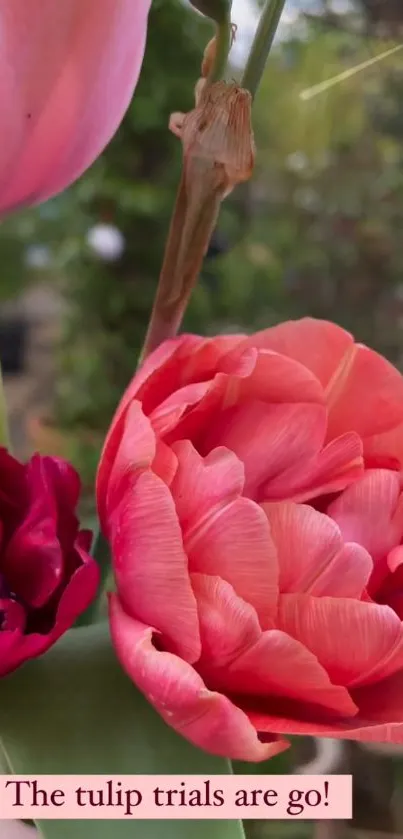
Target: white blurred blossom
point(106, 241)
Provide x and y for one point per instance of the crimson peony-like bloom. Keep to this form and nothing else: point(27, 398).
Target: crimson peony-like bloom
point(47, 577)
point(251, 491)
point(68, 70)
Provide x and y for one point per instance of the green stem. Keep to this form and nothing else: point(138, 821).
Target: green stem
point(262, 44)
point(223, 46)
point(4, 433)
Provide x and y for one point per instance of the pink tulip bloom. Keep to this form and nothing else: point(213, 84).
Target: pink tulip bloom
point(251, 491)
point(68, 69)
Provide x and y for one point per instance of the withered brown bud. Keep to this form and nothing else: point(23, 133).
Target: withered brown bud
point(218, 154)
point(219, 132)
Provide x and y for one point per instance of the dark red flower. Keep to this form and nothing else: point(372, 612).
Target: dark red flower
point(47, 577)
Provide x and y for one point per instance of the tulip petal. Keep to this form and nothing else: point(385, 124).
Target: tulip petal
point(13, 487)
point(228, 625)
point(357, 643)
point(380, 718)
point(331, 470)
point(391, 590)
point(382, 702)
point(313, 558)
point(239, 659)
point(46, 627)
point(221, 392)
point(16, 648)
point(269, 439)
point(168, 413)
point(156, 378)
point(358, 728)
point(68, 74)
point(365, 394)
point(244, 376)
point(370, 512)
point(165, 463)
point(33, 561)
point(365, 512)
point(208, 719)
point(277, 666)
point(136, 451)
point(176, 363)
point(240, 376)
point(60, 476)
point(364, 391)
point(273, 378)
point(151, 566)
point(385, 451)
point(235, 544)
point(62, 484)
point(78, 593)
point(223, 533)
point(200, 484)
point(195, 360)
point(316, 344)
point(149, 371)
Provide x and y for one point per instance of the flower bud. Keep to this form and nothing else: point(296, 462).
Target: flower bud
point(68, 70)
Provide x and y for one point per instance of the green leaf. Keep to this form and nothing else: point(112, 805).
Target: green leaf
point(74, 711)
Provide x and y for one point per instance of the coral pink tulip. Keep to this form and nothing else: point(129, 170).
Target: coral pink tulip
point(68, 69)
point(47, 577)
point(251, 491)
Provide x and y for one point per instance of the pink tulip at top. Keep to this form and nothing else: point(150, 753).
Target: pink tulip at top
point(251, 491)
point(68, 69)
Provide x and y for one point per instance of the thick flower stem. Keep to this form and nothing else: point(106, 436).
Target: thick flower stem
point(223, 41)
point(193, 221)
point(262, 44)
point(192, 225)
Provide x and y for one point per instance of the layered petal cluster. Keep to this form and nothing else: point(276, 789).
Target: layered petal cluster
point(68, 70)
point(47, 577)
point(251, 491)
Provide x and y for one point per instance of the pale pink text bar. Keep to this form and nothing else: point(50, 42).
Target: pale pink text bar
point(175, 797)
